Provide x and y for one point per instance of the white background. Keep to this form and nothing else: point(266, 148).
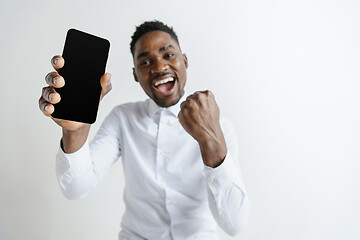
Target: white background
point(285, 72)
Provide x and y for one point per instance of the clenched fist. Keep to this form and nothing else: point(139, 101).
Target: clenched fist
point(199, 116)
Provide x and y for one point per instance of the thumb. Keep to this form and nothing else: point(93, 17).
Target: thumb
point(105, 83)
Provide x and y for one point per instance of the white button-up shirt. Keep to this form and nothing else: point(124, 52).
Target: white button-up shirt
point(169, 192)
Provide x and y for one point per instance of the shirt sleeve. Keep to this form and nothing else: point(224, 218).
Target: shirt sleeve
point(80, 172)
point(228, 200)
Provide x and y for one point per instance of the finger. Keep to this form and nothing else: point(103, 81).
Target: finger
point(105, 83)
point(46, 107)
point(195, 94)
point(183, 104)
point(194, 98)
point(191, 96)
point(201, 94)
point(53, 79)
point(208, 93)
point(190, 103)
point(57, 62)
point(50, 95)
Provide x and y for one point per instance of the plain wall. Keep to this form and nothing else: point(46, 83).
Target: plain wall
point(286, 73)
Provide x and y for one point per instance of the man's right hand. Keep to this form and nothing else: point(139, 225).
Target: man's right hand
point(49, 95)
point(74, 133)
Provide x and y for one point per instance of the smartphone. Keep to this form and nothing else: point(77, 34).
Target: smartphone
point(85, 58)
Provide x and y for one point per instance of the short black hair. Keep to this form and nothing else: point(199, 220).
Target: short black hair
point(150, 26)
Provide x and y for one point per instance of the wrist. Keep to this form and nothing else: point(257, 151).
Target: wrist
point(213, 153)
point(73, 140)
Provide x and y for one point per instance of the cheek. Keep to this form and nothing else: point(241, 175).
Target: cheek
point(182, 73)
point(142, 77)
point(145, 85)
point(181, 68)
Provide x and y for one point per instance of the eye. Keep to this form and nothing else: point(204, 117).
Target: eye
point(144, 62)
point(169, 55)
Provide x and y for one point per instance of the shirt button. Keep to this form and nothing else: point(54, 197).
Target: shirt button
point(170, 203)
point(221, 209)
point(161, 153)
point(176, 227)
point(211, 179)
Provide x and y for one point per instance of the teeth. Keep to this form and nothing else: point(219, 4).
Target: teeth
point(162, 81)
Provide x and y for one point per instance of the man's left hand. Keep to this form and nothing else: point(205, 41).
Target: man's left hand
point(199, 116)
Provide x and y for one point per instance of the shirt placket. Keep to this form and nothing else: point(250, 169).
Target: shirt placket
point(162, 156)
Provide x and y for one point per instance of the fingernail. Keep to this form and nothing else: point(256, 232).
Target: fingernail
point(54, 80)
point(50, 96)
point(46, 108)
point(54, 61)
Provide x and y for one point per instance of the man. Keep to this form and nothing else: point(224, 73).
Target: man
point(179, 157)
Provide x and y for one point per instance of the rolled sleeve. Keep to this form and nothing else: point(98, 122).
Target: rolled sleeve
point(72, 165)
point(221, 176)
point(227, 196)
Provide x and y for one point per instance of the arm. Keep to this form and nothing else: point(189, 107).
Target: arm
point(228, 201)
point(80, 172)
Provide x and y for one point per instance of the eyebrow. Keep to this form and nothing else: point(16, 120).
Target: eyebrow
point(144, 54)
point(166, 47)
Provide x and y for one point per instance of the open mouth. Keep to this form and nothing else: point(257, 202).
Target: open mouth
point(165, 86)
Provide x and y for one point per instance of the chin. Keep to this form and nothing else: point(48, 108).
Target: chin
point(167, 102)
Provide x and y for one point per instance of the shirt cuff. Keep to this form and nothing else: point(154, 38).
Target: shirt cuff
point(221, 176)
point(73, 164)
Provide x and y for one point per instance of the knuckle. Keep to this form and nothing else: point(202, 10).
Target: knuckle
point(51, 91)
point(47, 77)
point(191, 103)
point(202, 96)
point(182, 105)
point(198, 95)
point(44, 91)
point(42, 105)
point(43, 108)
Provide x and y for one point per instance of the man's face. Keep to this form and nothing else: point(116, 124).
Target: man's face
point(160, 67)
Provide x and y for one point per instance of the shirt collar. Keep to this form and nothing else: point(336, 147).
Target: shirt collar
point(174, 109)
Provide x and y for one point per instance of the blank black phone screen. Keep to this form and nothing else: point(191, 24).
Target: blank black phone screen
point(85, 58)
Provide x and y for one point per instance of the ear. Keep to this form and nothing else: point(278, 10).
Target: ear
point(135, 77)
point(185, 60)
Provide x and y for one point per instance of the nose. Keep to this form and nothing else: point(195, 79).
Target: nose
point(159, 66)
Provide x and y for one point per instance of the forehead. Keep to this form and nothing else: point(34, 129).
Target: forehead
point(153, 41)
